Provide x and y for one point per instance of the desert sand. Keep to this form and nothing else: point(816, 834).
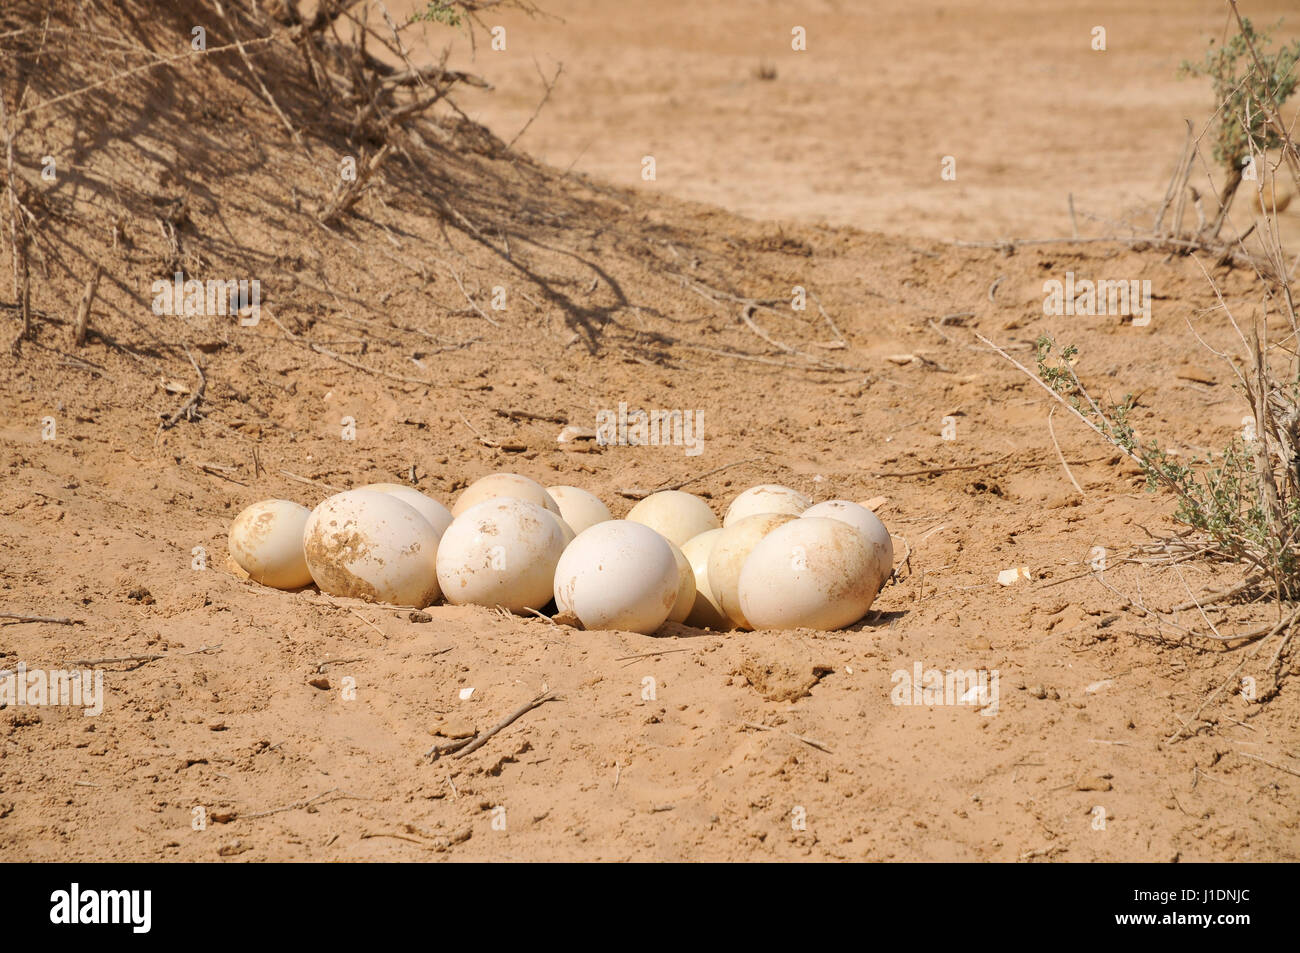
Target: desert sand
point(258, 725)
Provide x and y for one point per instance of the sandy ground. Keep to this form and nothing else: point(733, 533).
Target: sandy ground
point(295, 726)
point(853, 130)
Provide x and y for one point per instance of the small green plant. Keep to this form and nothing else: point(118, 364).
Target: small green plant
point(446, 12)
point(1249, 512)
point(1241, 128)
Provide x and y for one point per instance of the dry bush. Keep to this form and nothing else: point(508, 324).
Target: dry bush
point(1242, 504)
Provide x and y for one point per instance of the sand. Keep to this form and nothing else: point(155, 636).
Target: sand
point(289, 726)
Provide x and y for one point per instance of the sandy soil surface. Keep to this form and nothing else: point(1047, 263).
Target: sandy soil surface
point(298, 723)
point(853, 130)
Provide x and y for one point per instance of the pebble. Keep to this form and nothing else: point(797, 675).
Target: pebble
point(456, 728)
point(1092, 784)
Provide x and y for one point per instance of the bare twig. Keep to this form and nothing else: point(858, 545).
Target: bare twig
point(17, 231)
point(808, 741)
point(190, 407)
point(41, 618)
point(929, 471)
point(110, 660)
point(1285, 622)
point(298, 805)
point(476, 742)
point(549, 87)
point(117, 77)
point(83, 308)
point(1060, 456)
point(636, 493)
point(347, 194)
point(1271, 764)
point(310, 482)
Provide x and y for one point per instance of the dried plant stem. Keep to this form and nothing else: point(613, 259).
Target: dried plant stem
point(1060, 456)
point(1283, 623)
point(82, 324)
point(17, 228)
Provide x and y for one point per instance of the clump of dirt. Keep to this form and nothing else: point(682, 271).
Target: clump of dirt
point(777, 680)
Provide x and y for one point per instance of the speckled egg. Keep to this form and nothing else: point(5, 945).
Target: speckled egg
point(728, 557)
point(265, 540)
point(512, 485)
point(767, 498)
point(369, 545)
point(814, 572)
point(501, 552)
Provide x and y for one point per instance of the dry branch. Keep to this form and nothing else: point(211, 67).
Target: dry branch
point(347, 194)
point(189, 409)
point(83, 308)
point(17, 231)
point(477, 741)
point(41, 618)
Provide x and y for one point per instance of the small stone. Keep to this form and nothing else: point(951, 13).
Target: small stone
point(456, 728)
point(1009, 577)
point(1197, 373)
point(1038, 691)
point(320, 682)
point(1092, 784)
point(418, 616)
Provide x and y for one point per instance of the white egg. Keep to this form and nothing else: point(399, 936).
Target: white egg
point(685, 601)
point(707, 612)
point(565, 528)
point(674, 515)
point(265, 540)
point(501, 552)
point(496, 485)
point(814, 572)
point(439, 516)
point(618, 575)
point(369, 545)
point(767, 498)
point(865, 522)
point(579, 508)
point(728, 558)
